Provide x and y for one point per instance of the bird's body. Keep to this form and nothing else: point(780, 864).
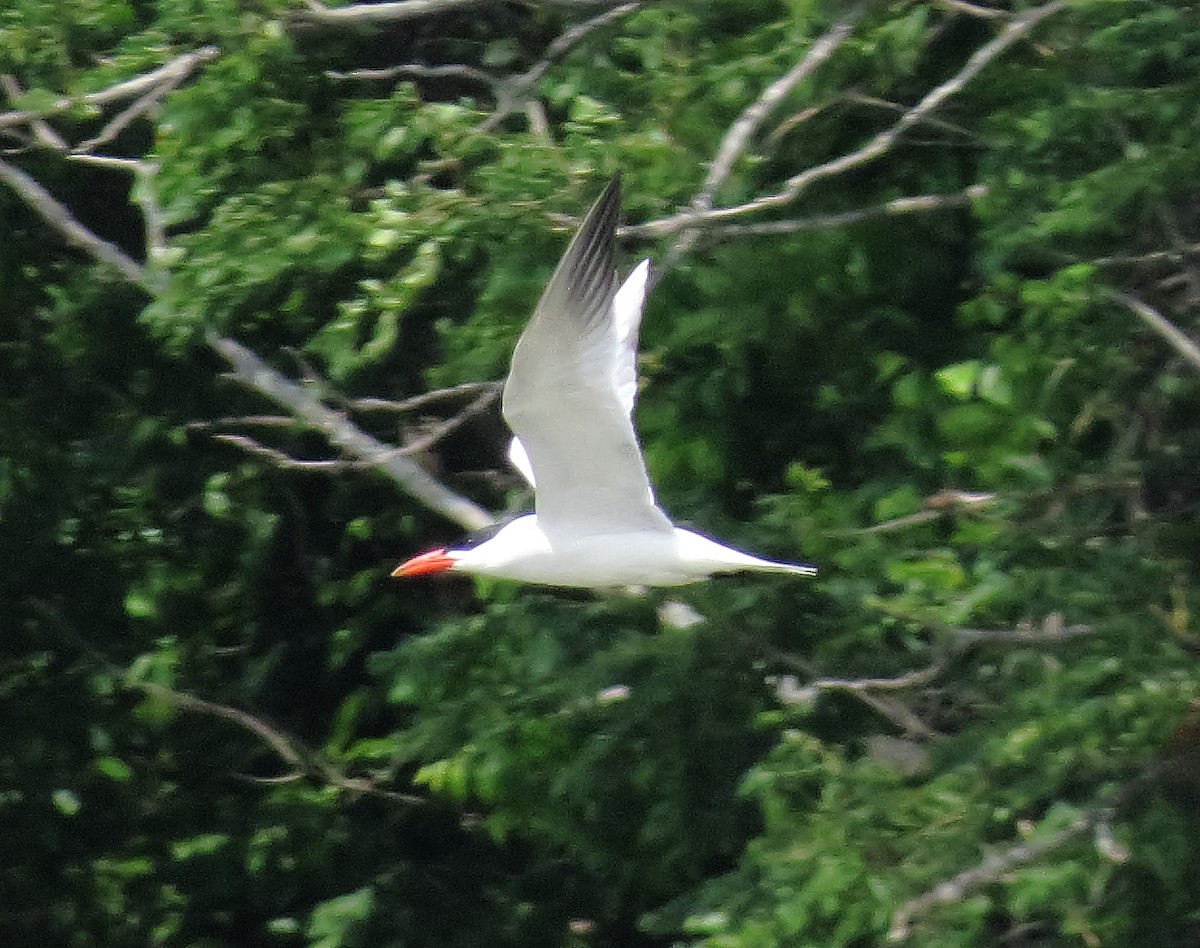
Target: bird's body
point(521, 550)
point(569, 401)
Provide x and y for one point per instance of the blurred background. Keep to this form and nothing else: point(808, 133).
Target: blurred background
point(926, 317)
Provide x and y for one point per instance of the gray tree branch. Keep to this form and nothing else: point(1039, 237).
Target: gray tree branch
point(882, 143)
point(1174, 336)
point(171, 73)
point(254, 373)
point(739, 134)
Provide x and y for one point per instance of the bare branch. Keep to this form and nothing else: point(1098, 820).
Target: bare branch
point(973, 9)
point(62, 220)
point(286, 748)
point(252, 421)
point(941, 504)
point(119, 122)
point(993, 869)
point(110, 162)
point(1157, 256)
point(893, 208)
point(738, 136)
point(333, 465)
point(364, 14)
point(511, 91)
point(42, 132)
point(896, 711)
point(361, 14)
point(251, 371)
point(438, 432)
point(875, 102)
point(1097, 819)
point(1051, 631)
point(418, 71)
point(883, 142)
point(426, 398)
point(1175, 337)
point(279, 458)
point(570, 37)
point(173, 71)
point(912, 679)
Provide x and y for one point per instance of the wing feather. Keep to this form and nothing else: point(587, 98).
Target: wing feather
point(571, 389)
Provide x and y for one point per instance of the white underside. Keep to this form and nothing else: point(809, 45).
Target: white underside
point(521, 551)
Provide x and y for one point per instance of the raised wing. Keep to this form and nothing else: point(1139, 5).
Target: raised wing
point(627, 317)
point(571, 389)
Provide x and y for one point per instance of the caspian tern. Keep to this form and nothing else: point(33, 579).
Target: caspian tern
point(569, 401)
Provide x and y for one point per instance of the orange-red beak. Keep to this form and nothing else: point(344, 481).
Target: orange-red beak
point(435, 561)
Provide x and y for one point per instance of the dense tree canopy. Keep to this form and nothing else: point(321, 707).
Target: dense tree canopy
point(926, 311)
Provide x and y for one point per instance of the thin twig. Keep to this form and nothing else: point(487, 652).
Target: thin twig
point(993, 868)
point(1051, 631)
point(250, 421)
point(973, 9)
point(42, 132)
point(738, 136)
point(333, 465)
point(912, 679)
point(279, 458)
point(861, 99)
point(288, 749)
point(438, 432)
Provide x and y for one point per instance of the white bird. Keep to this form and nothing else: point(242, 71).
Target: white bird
point(569, 401)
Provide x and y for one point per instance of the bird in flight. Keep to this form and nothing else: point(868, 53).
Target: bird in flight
point(569, 402)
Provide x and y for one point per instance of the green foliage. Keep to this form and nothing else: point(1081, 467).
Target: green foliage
point(222, 724)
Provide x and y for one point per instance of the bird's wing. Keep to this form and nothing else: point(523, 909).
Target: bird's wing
point(571, 388)
point(627, 317)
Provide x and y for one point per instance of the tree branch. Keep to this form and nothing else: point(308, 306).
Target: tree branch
point(993, 868)
point(282, 459)
point(425, 398)
point(1098, 818)
point(738, 136)
point(419, 71)
point(1175, 337)
point(288, 749)
point(883, 142)
point(366, 14)
point(893, 208)
point(173, 72)
point(510, 91)
point(362, 14)
point(57, 216)
point(251, 371)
